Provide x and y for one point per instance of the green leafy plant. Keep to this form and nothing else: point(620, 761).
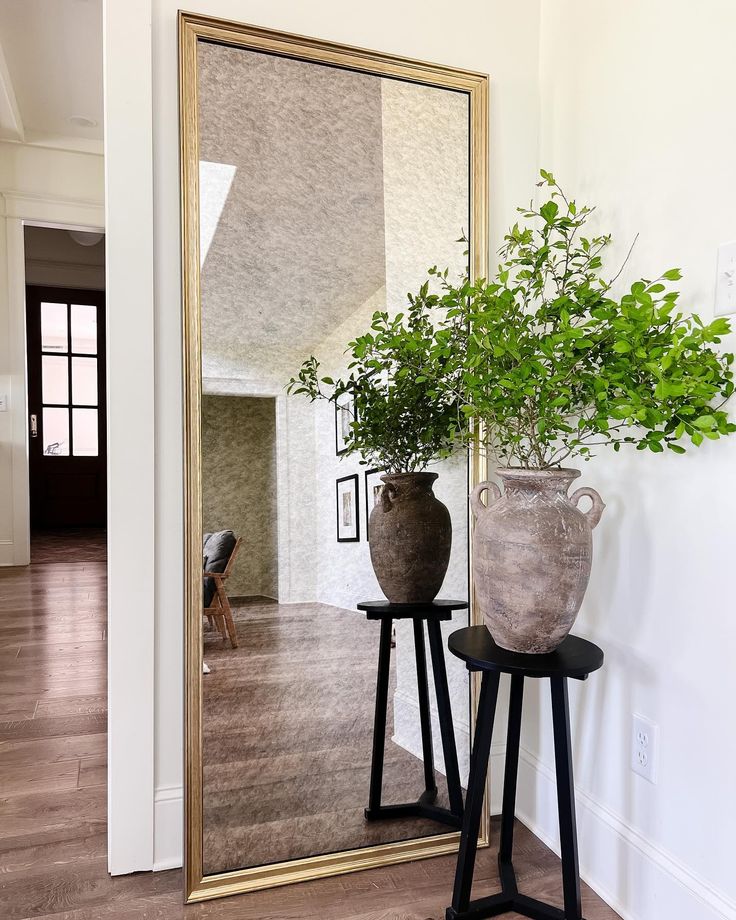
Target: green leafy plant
point(403, 420)
point(554, 365)
point(544, 362)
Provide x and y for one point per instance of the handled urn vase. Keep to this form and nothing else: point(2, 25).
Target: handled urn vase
point(410, 536)
point(532, 550)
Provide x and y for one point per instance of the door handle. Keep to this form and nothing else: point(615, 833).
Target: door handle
point(34, 425)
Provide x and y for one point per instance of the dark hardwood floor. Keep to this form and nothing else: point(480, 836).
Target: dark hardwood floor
point(288, 731)
point(53, 863)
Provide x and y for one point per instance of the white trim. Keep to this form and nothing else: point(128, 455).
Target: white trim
point(18, 395)
point(168, 845)
point(639, 879)
point(53, 210)
point(89, 145)
point(131, 389)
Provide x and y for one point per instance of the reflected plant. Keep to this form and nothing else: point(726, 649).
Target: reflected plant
point(403, 419)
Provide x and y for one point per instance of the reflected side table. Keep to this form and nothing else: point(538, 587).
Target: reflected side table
point(432, 614)
point(576, 658)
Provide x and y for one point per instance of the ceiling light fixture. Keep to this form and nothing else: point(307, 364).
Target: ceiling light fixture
point(85, 238)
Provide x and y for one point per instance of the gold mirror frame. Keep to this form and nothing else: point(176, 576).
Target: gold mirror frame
point(193, 28)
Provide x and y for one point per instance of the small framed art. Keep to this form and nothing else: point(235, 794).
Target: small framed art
point(373, 489)
point(344, 415)
point(348, 514)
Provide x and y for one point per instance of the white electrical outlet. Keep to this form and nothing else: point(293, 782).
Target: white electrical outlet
point(644, 735)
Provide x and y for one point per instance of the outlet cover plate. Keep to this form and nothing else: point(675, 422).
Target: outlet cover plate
point(644, 746)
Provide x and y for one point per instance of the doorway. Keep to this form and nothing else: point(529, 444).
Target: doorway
point(65, 361)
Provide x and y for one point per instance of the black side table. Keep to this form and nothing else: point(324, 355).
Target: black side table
point(575, 658)
point(424, 807)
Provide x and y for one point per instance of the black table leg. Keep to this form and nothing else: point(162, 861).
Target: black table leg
point(425, 806)
point(430, 784)
point(513, 736)
point(449, 749)
point(476, 794)
point(379, 720)
point(566, 799)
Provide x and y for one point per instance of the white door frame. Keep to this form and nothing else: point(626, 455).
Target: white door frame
point(21, 211)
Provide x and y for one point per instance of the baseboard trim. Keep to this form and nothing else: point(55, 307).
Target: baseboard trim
point(637, 878)
point(168, 828)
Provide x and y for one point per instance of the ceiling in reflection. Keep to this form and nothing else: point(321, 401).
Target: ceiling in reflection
point(293, 199)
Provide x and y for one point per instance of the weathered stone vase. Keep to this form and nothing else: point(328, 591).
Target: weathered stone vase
point(410, 536)
point(532, 550)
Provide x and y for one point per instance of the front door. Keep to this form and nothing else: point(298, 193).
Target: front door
point(66, 403)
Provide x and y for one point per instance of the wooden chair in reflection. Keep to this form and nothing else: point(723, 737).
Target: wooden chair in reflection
point(219, 553)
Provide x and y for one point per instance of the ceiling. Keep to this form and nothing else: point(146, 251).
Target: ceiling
point(292, 206)
point(51, 72)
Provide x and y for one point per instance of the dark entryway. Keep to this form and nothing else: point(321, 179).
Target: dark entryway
point(66, 404)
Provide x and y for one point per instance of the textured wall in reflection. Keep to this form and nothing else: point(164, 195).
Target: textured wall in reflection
point(299, 244)
point(239, 485)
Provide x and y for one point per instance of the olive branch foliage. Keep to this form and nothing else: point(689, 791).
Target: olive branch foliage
point(544, 359)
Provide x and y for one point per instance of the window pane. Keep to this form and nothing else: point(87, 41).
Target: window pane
point(53, 327)
point(85, 432)
point(84, 382)
point(84, 328)
point(55, 379)
point(56, 432)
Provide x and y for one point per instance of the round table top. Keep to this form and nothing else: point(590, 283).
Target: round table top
point(439, 609)
point(574, 657)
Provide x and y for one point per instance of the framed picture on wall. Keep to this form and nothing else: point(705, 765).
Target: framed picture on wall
point(373, 489)
point(344, 415)
point(348, 514)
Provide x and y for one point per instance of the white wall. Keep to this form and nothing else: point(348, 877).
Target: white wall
point(637, 118)
point(495, 37)
point(44, 186)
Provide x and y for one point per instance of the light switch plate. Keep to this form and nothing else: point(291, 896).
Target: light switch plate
point(726, 279)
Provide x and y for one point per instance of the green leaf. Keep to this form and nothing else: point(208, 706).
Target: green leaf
point(673, 274)
point(549, 211)
point(705, 422)
point(622, 346)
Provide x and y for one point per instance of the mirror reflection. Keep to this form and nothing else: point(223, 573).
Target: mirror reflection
point(324, 196)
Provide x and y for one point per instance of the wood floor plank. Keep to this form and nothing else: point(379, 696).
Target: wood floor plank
point(53, 863)
point(35, 778)
point(52, 750)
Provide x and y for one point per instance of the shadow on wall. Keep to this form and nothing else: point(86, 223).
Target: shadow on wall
point(239, 486)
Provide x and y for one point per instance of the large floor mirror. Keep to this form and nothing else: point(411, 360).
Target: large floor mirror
point(319, 182)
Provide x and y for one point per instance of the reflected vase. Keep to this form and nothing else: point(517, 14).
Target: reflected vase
point(532, 550)
point(410, 537)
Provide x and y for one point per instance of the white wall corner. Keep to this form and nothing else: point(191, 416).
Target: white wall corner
point(168, 823)
point(636, 877)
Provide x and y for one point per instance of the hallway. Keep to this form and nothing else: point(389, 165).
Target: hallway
point(53, 859)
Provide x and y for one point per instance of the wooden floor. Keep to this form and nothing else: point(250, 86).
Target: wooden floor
point(287, 738)
point(53, 862)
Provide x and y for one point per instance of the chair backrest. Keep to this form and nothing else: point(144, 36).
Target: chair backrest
point(217, 552)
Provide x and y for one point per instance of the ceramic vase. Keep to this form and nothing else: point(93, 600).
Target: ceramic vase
point(532, 549)
point(410, 537)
